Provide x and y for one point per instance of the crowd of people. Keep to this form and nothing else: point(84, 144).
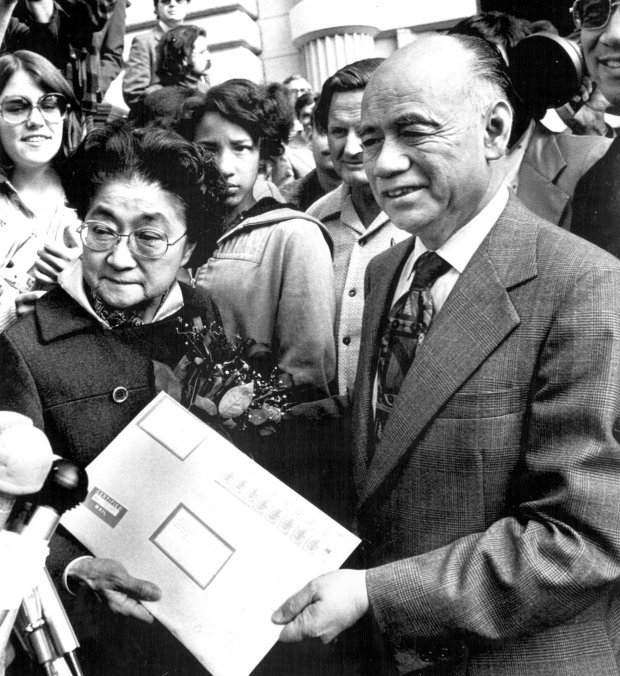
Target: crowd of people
point(426, 256)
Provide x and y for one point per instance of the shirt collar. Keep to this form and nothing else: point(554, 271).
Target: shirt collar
point(349, 216)
point(71, 279)
point(463, 244)
point(11, 193)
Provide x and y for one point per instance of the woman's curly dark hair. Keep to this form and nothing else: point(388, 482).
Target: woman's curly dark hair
point(174, 53)
point(156, 156)
point(263, 111)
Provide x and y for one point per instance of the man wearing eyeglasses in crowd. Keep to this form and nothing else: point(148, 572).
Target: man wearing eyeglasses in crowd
point(140, 76)
point(597, 198)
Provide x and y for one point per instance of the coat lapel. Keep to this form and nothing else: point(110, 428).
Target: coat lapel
point(476, 318)
point(377, 304)
point(541, 167)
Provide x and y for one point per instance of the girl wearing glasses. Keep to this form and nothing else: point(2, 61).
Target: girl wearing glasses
point(81, 364)
point(39, 125)
point(271, 273)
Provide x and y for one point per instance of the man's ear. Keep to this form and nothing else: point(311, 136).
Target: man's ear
point(498, 124)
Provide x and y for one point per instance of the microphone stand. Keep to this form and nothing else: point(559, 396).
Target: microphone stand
point(42, 624)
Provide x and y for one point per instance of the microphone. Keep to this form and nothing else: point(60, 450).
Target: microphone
point(25, 460)
point(66, 486)
point(42, 618)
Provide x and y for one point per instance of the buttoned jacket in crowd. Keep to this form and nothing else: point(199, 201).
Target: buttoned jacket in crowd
point(354, 246)
point(490, 509)
point(82, 383)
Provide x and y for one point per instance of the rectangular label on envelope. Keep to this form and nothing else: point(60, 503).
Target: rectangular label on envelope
point(105, 507)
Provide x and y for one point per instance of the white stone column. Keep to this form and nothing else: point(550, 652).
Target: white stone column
point(332, 33)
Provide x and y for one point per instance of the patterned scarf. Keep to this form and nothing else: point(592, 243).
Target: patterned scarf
point(116, 318)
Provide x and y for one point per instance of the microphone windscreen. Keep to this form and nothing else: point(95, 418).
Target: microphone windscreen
point(25, 455)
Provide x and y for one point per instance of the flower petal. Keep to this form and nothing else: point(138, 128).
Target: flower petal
point(206, 404)
point(236, 400)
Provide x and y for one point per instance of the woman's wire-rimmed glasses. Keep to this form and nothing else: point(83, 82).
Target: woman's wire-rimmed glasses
point(145, 242)
point(17, 109)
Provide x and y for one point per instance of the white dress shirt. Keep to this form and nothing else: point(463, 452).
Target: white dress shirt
point(456, 250)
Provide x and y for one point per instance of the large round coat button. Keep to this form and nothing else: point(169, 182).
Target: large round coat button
point(119, 395)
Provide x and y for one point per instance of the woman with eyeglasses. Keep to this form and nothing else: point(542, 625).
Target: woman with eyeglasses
point(81, 365)
point(39, 126)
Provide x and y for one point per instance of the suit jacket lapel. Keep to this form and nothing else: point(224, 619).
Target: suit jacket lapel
point(477, 316)
point(376, 307)
point(542, 164)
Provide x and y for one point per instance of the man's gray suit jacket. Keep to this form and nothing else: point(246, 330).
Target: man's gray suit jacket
point(490, 510)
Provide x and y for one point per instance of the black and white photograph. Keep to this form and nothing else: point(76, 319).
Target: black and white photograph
point(309, 338)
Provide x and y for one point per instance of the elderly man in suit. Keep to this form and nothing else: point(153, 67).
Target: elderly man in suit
point(487, 393)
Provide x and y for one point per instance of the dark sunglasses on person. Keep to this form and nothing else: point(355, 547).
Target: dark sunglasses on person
point(17, 109)
point(592, 14)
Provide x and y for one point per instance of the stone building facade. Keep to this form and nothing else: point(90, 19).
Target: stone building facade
point(267, 40)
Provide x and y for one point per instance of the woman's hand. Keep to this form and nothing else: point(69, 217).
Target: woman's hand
point(121, 591)
point(24, 303)
point(52, 260)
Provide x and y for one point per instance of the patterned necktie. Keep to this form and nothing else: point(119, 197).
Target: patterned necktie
point(407, 324)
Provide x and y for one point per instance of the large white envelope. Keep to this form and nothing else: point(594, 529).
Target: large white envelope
point(226, 541)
